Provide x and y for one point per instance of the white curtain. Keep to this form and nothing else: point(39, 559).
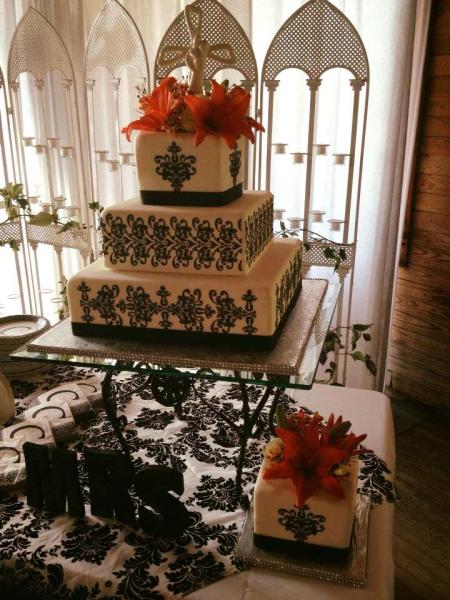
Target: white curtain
point(390, 31)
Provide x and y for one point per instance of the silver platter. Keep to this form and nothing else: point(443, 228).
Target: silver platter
point(349, 568)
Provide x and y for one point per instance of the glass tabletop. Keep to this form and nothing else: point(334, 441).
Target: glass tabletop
point(292, 363)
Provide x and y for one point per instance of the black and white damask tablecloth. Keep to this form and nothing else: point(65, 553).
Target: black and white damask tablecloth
point(61, 557)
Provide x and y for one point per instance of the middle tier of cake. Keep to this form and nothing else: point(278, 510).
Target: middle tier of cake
point(203, 240)
point(244, 310)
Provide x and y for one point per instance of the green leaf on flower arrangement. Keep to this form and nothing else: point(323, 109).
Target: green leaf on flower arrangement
point(281, 419)
point(339, 431)
point(342, 254)
point(94, 205)
point(69, 225)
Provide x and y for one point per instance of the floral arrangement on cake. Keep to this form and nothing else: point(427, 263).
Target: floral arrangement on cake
point(172, 107)
point(312, 453)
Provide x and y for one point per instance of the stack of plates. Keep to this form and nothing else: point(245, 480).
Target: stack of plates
point(15, 331)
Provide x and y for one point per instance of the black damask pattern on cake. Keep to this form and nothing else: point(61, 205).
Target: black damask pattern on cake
point(175, 167)
point(235, 163)
point(178, 242)
point(259, 231)
point(188, 309)
point(288, 285)
point(372, 473)
point(301, 522)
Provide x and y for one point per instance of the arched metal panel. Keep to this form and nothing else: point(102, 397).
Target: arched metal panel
point(115, 42)
point(315, 38)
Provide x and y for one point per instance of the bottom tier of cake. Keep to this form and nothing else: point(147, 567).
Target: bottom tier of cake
point(244, 310)
point(323, 520)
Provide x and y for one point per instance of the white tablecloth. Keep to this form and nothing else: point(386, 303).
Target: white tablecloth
point(369, 412)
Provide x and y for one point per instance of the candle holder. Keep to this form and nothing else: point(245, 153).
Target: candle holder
point(53, 142)
point(28, 141)
point(33, 199)
point(279, 148)
point(113, 165)
point(72, 211)
point(126, 158)
point(336, 224)
point(340, 159)
point(39, 148)
point(66, 151)
point(321, 149)
point(295, 222)
point(317, 215)
point(278, 213)
point(102, 155)
point(46, 207)
point(298, 157)
point(59, 201)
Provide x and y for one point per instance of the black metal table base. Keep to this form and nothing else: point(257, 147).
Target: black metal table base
point(172, 391)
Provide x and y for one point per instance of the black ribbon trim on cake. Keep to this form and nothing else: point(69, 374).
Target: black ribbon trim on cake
point(300, 549)
point(191, 198)
point(212, 340)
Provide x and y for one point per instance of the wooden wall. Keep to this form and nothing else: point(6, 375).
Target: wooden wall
point(419, 353)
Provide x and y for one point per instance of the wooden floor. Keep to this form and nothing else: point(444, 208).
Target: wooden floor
point(422, 521)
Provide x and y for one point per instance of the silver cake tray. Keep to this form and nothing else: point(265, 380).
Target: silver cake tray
point(347, 567)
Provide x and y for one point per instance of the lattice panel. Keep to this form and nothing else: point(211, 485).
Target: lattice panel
point(10, 231)
point(315, 256)
point(317, 37)
point(115, 42)
point(37, 47)
point(51, 235)
point(218, 27)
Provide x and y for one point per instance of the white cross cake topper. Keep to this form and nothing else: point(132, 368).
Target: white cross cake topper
point(197, 53)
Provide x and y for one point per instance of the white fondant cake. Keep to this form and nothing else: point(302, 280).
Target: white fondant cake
point(323, 520)
point(170, 167)
point(203, 240)
point(103, 301)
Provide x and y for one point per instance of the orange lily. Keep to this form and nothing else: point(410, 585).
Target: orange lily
point(224, 114)
point(311, 453)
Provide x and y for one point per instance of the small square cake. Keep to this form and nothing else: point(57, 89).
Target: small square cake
point(307, 486)
point(323, 520)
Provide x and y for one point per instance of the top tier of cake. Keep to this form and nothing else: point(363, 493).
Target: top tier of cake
point(227, 240)
point(172, 170)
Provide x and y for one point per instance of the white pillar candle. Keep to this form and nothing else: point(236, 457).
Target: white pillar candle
point(335, 224)
point(126, 158)
point(102, 155)
point(39, 148)
point(321, 149)
point(113, 165)
point(53, 142)
point(59, 201)
point(295, 222)
point(66, 151)
point(317, 215)
point(278, 213)
point(298, 157)
point(279, 148)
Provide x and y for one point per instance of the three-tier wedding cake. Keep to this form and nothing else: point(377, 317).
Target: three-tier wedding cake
point(194, 259)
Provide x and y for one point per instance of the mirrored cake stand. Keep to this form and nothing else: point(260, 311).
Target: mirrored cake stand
point(172, 371)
